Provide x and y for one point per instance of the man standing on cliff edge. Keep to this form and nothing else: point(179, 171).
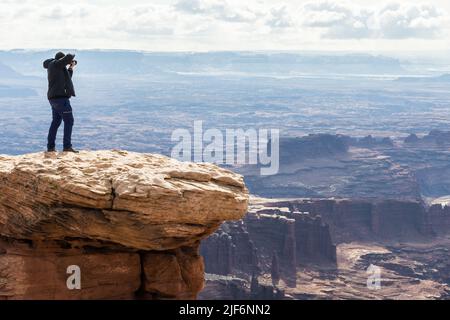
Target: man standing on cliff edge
point(60, 90)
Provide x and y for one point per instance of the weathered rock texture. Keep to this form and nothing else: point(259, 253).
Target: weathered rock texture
point(248, 247)
point(131, 222)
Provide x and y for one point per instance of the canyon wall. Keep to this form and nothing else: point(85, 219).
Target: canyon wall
point(109, 224)
point(278, 238)
point(230, 250)
point(269, 240)
point(353, 220)
point(439, 218)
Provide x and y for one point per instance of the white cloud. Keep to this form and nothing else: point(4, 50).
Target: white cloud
point(223, 24)
point(59, 12)
point(280, 18)
point(144, 21)
point(220, 10)
point(394, 21)
point(407, 21)
point(337, 20)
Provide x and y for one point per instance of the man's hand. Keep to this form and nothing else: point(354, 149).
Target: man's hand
point(72, 65)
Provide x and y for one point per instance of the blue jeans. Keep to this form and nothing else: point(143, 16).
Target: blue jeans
point(62, 111)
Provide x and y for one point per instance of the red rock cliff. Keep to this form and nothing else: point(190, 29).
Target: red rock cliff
point(130, 224)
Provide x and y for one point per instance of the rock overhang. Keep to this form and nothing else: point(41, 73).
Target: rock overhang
point(139, 201)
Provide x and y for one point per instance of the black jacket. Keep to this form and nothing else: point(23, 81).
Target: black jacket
point(59, 77)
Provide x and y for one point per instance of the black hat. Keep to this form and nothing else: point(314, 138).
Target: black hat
point(59, 55)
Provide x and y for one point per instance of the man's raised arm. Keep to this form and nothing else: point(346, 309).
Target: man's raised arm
point(64, 61)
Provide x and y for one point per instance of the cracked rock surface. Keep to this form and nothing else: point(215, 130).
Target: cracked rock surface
point(140, 201)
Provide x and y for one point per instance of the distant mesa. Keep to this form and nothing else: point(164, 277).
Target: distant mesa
point(250, 63)
point(326, 145)
point(442, 78)
point(412, 138)
point(326, 165)
point(434, 137)
point(371, 142)
point(312, 146)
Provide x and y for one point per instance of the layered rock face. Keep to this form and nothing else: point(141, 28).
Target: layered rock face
point(230, 250)
point(273, 235)
point(274, 240)
point(439, 217)
point(131, 223)
point(313, 239)
point(303, 239)
point(352, 220)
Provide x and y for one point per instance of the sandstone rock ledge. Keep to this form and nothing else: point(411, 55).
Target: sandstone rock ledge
point(132, 223)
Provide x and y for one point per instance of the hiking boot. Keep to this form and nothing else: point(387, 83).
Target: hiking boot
point(51, 150)
point(70, 150)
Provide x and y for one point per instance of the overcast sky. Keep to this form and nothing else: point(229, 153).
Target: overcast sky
point(200, 25)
